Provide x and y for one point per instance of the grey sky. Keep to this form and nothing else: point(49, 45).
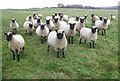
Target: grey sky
point(21, 4)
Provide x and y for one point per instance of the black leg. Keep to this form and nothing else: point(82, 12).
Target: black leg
point(42, 39)
point(102, 32)
point(63, 53)
point(72, 39)
point(93, 44)
point(30, 33)
point(80, 40)
point(85, 41)
point(13, 54)
point(45, 38)
point(18, 57)
point(90, 44)
point(48, 48)
point(69, 40)
point(105, 32)
point(23, 50)
point(57, 54)
point(15, 30)
point(26, 31)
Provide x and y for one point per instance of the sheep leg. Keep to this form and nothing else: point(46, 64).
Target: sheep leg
point(72, 39)
point(63, 53)
point(105, 32)
point(68, 40)
point(45, 38)
point(80, 40)
point(30, 33)
point(93, 44)
point(15, 30)
point(102, 33)
point(13, 54)
point(57, 54)
point(90, 44)
point(26, 31)
point(23, 50)
point(18, 56)
point(48, 48)
point(42, 39)
point(85, 41)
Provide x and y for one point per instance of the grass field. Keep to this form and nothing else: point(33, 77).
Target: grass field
point(81, 62)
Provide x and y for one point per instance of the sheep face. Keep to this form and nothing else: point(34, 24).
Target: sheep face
point(85, 16)
point(9, 36)
point(105, 20)
point(81, 20)
point(42, 26)
point(61, 16)
point(13, 20)
point(56, 20)
point(72, 26)
point(47, 22)
point(77, 18)
point(30, 17)
point(101, 18)
point(30, 25)
point(38, 20)
point(93, 29)
point(92, 15)
point(60, 34)
point(53, 16)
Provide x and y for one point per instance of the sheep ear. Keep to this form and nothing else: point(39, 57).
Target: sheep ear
point(13, 33)
point(5, 34)
point(74, 24)
point(63, 32)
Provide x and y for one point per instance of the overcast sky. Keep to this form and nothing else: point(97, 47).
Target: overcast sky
point(21, 4)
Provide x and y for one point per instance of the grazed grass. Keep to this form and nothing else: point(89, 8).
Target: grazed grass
point(80, 62)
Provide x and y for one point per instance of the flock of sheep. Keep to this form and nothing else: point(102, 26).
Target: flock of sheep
point(58, 30)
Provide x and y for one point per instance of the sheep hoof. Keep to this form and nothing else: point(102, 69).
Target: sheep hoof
point(47, 49)
point(63, 56)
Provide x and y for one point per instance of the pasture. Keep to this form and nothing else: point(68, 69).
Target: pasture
point(81, 62)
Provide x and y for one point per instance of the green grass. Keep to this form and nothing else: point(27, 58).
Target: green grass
point(81, 62)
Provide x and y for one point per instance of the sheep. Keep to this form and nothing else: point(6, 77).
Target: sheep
point(58, 23)
point(113, 17)
point(85, 16)
point(89, 34)
point(15, 43)
point(64, 18)
point(94, 18)
point(49, 23)
point(103, 25)
point(80, 24)
point(28, 27)
point(35, 16)
point(101, 18)
point(70, 30)
point(39, 16)
point(29, 18)
point(14, 25)
point(76, 18)
point(36, 22)
point(42, 31)
point(58, 41)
